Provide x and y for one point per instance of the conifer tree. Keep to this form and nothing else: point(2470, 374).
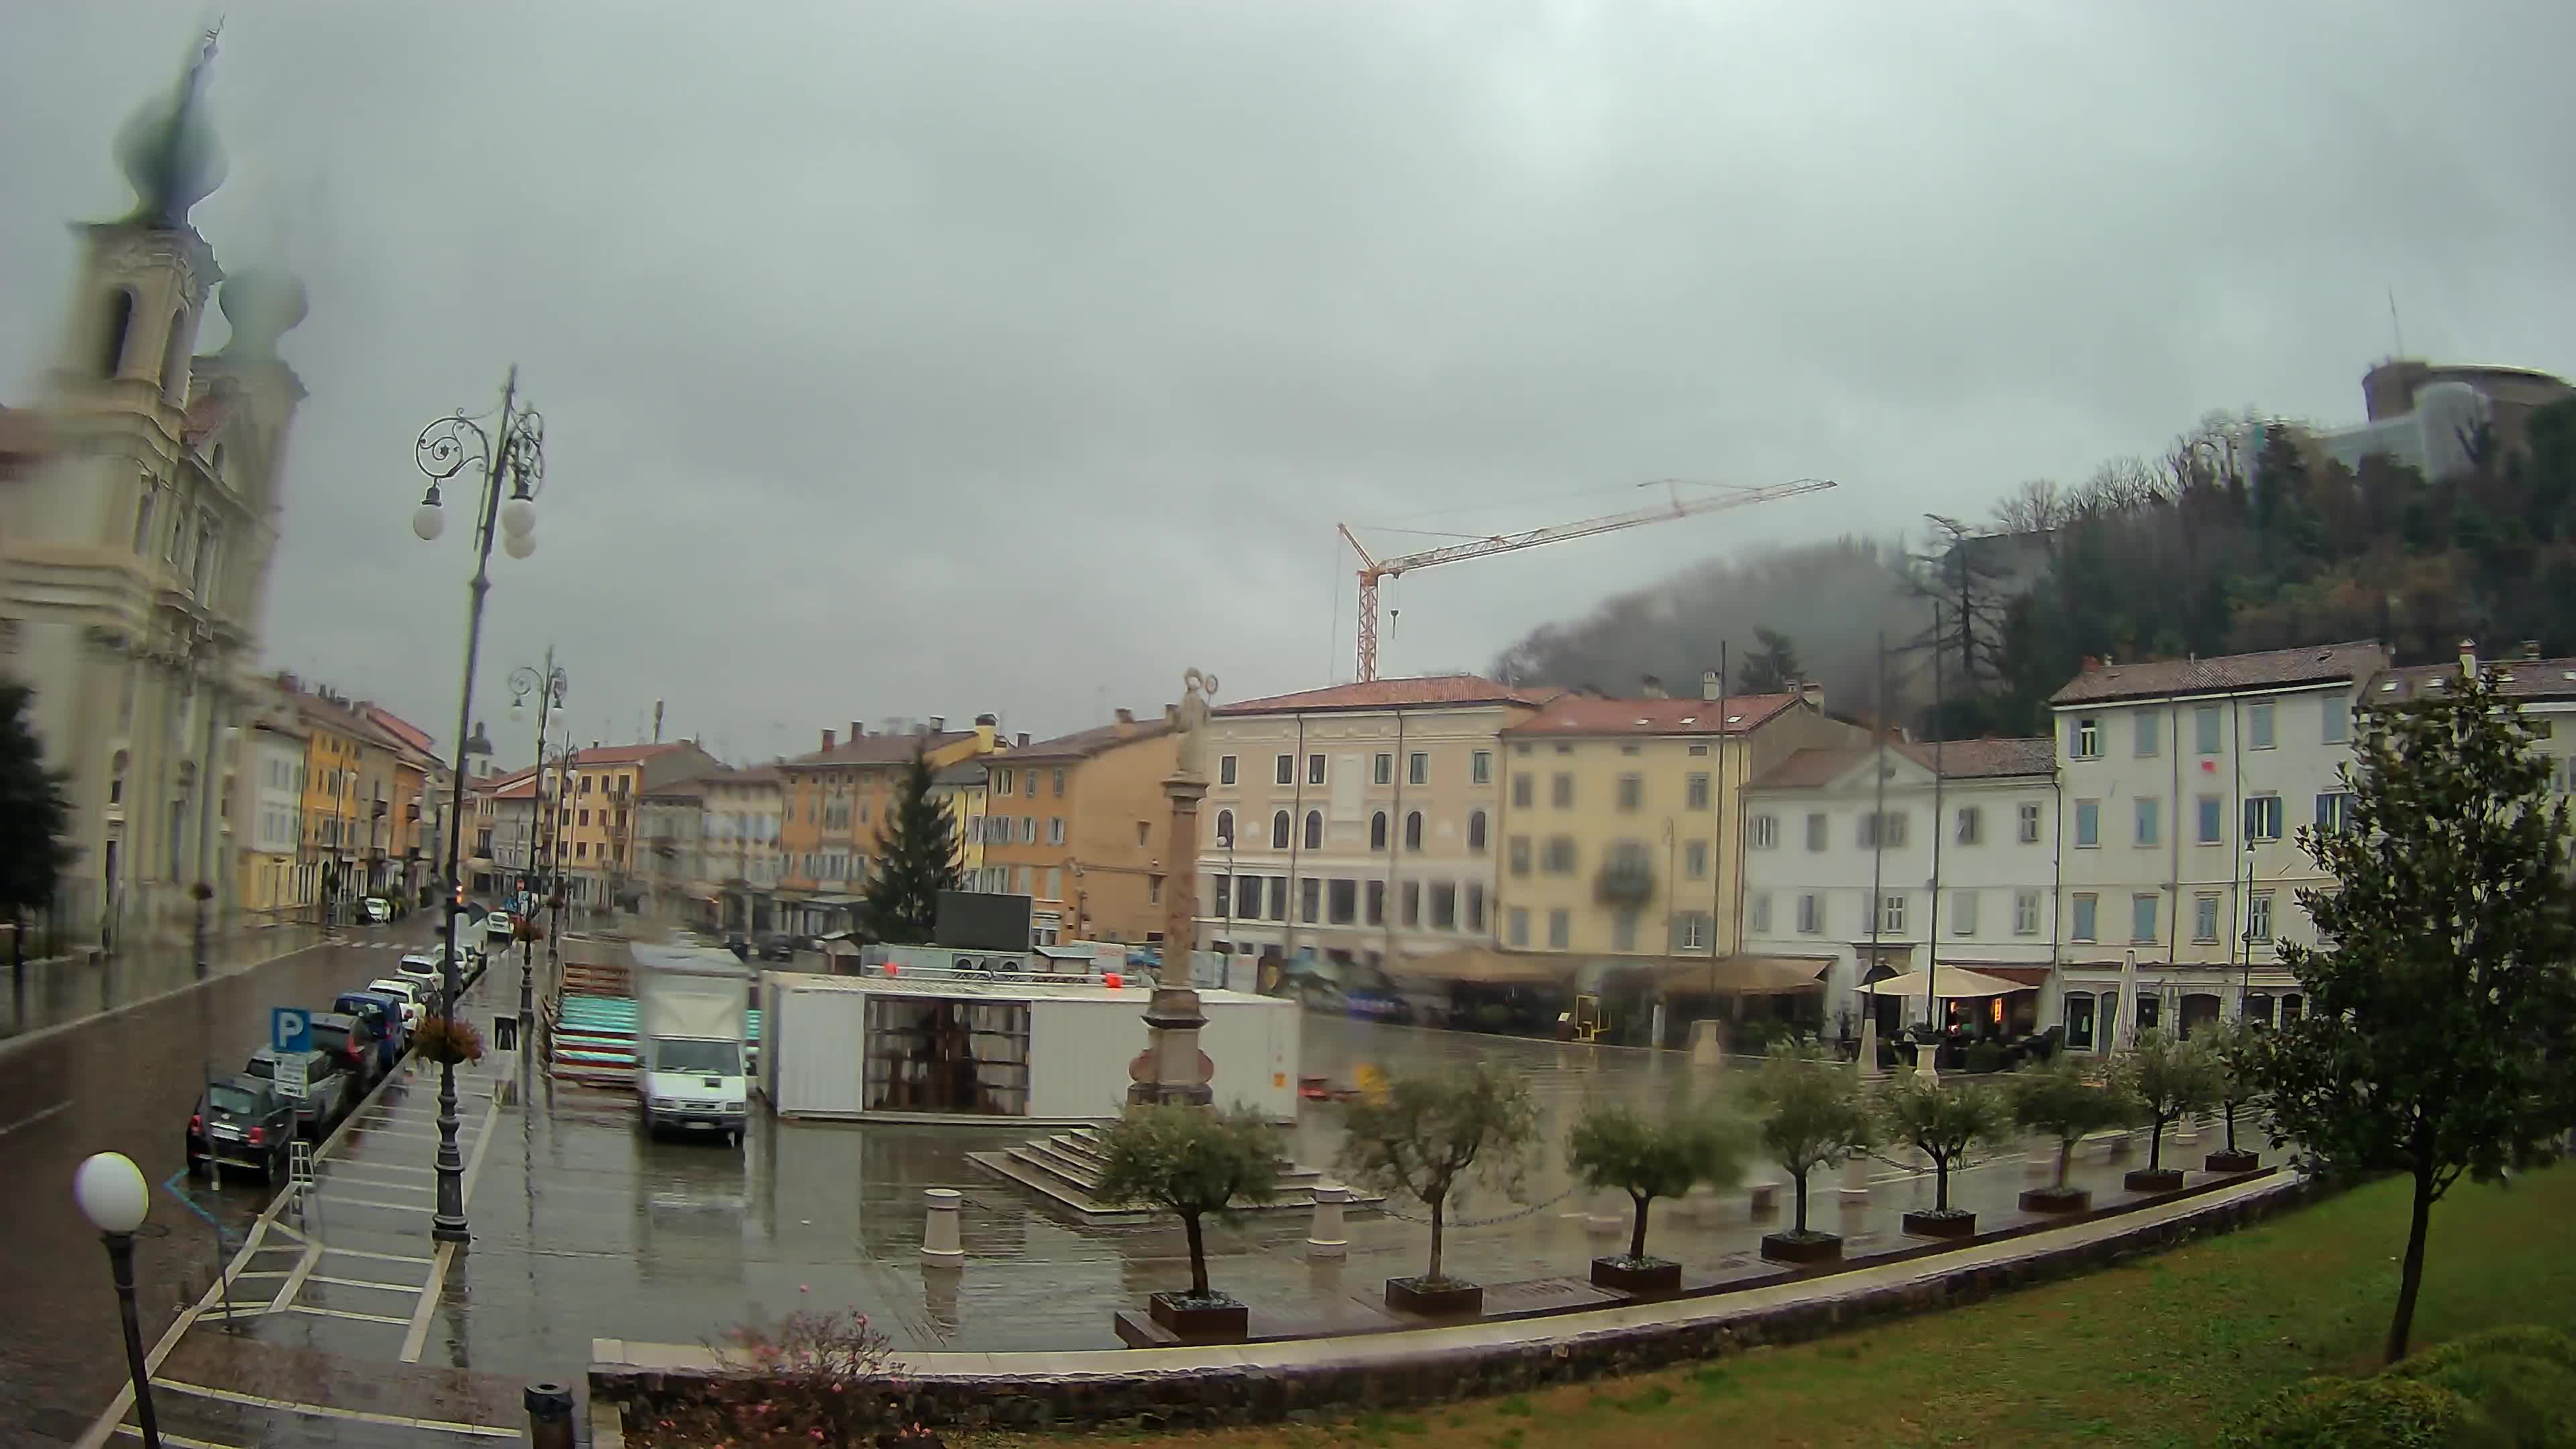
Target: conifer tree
point(920, 861)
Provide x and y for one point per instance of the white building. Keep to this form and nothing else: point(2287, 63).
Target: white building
point(2183, 786)
point(738, 845)
point(1871, 875)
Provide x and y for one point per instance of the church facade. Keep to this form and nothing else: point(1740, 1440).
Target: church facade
point(136, 538)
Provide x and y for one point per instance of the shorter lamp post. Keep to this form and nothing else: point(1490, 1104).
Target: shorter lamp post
point(111, 1194)
point(2245, 915)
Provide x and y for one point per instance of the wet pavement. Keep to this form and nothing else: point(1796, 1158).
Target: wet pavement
point(124, 1082)
point(63, 989)
point(355, 1330)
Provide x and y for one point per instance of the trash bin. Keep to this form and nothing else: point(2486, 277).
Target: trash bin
point(505, 1033)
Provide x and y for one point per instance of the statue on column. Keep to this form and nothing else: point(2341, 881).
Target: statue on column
point(1190, 725)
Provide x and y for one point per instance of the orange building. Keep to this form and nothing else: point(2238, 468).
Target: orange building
point(833, 806)
point(1079, 824)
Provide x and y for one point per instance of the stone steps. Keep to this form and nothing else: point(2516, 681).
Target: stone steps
point(1065, 1169)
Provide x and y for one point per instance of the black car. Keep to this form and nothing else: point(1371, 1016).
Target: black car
point(239, 1122)
point(777, 946)
point(356, 1046)
point(330, 1088)
point(738, 945)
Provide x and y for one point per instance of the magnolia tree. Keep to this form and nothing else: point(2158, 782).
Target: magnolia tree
point(2057, 1100)
point(2167, 1079)
point(1427, 1134)
point(1190, 1162)
point(1814, 1115)
point(1944, 1123)
point(2436, 1043)
point(1616, 1146)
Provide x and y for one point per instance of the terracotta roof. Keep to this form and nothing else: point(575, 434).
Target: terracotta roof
point(2315, 664)
point(2520, 678)
point(1959, 760)
point(747, 775)
point(1434, 689)
point(1585, 714)
point(878, 749)
point(964, 772)
point(1083, 744)
point(693, 788)
point(400, 728)
point(624, 754)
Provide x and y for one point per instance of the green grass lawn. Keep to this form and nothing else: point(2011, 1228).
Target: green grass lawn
point(2169, 1350)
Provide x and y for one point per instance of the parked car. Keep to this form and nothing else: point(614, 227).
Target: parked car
point(330, 1089)
point(427, 972)
point(498, 926)
point(354, 1043)
point(376, 910)
point(383, 1014)
point(777, 946)
point(239, 1122)
point(739, 945)
point(414, 997)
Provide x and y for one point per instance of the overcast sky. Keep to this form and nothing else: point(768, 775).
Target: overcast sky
point(936, 357)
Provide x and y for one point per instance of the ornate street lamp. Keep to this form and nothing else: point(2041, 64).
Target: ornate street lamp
point(511, 457)
point(548, 684)
point(111, 1194)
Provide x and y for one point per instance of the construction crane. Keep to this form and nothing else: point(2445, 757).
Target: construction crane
point(1372, 569)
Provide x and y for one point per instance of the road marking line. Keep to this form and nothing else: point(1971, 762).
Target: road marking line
point(418, 1335)
point(261, 1273)
point(368, 1202)
point(365, 1283)
point(32, 1118)
point(177, 1441)
point(295, 1280)
point(379, 1257)
point(341, 1313)
point(329, 1411)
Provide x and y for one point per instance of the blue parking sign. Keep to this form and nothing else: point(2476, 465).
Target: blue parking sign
point(290, 1029)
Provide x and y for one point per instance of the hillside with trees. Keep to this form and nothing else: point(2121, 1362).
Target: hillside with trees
point(2202, 550)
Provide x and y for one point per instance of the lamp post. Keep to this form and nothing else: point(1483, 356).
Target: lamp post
point(549, 685)
point(111, 1194)
point(512, 456)
point(2245, 915)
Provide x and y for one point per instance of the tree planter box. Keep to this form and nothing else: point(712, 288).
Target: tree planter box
point(1216, 1319)
point(1952, 1224)
point(1645, 1277)
point(1447, 1299)
point(2056, 1200)
point(2152, 1179)
point(2238, 1161)
point(1811, 1248)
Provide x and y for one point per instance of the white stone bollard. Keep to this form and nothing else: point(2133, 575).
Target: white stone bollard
point(1764, 1197)
point(2042, 1162)
point(1324, 1237)
point(2186, 1131)
point(939, 1240)
point(1855, 1182)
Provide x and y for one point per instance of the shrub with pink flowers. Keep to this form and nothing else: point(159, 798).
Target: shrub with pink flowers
point(809, 1378)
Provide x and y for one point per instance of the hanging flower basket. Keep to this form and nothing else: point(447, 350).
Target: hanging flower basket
point(449, 1041)
point(527, 930)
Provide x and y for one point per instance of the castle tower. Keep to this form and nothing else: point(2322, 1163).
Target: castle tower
point(134, 553)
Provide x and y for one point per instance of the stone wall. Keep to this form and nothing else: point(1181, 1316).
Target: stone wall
point(1388, 1372)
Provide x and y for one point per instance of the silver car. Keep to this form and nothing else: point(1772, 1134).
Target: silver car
point(329, 1090)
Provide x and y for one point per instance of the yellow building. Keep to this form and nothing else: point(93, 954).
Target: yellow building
point(273, 879)
point(598, 817)
point(1080, 825)
point(834, 804)
point(964, 789)
point(334, 833)
point(1620, 823)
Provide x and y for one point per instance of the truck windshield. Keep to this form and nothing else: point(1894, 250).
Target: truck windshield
point(713, 1058)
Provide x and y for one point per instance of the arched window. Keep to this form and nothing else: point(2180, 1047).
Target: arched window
point(1225, 827)
point(119, 321)
point(1377, 831)
point(1476, 831)
point(1314, 830)
point(1413, 830)
point(1279, 831)
point(174, 359)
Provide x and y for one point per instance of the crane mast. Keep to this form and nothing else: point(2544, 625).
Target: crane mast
point(1373, 570)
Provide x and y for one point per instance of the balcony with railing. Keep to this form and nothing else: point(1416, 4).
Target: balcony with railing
point(1624, 880)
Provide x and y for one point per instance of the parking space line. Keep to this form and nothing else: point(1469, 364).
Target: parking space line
point(365, 1283)
point(262, 1273)
point(329, 1411)
point(379, 1257)
point(177, 1441)
point(341, 1163)
point(342, 1313)
point(294, 1280)
point(368, 1202)
point(418, 1333)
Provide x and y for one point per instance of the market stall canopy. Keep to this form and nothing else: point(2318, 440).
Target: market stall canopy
point(1485, 966)
point(1739, 975)
point(1954, 982)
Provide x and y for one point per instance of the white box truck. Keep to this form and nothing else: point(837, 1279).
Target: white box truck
point(689, 1067)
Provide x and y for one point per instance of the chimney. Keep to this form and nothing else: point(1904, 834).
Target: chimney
point(856, 733)
point(1813, 694)
point(1653, 687)
point(986, 727)
point(2531, 649)
point(827, 740)
point(1020, 740)
point(1711, 687)
point(1126, 716)
point(2469, 658)
point(939, 724)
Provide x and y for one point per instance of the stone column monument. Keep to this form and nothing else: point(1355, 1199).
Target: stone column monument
point(1172, 1068)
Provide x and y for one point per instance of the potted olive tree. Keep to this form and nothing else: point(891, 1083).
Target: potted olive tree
point(2240, 1047)
point(2167, 1079)
point(1945, 1123)
point(2059, 1100)
point(1190, 1162)
point(1616, 1146)
point(1427, 1134)
point(1813, 1116)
